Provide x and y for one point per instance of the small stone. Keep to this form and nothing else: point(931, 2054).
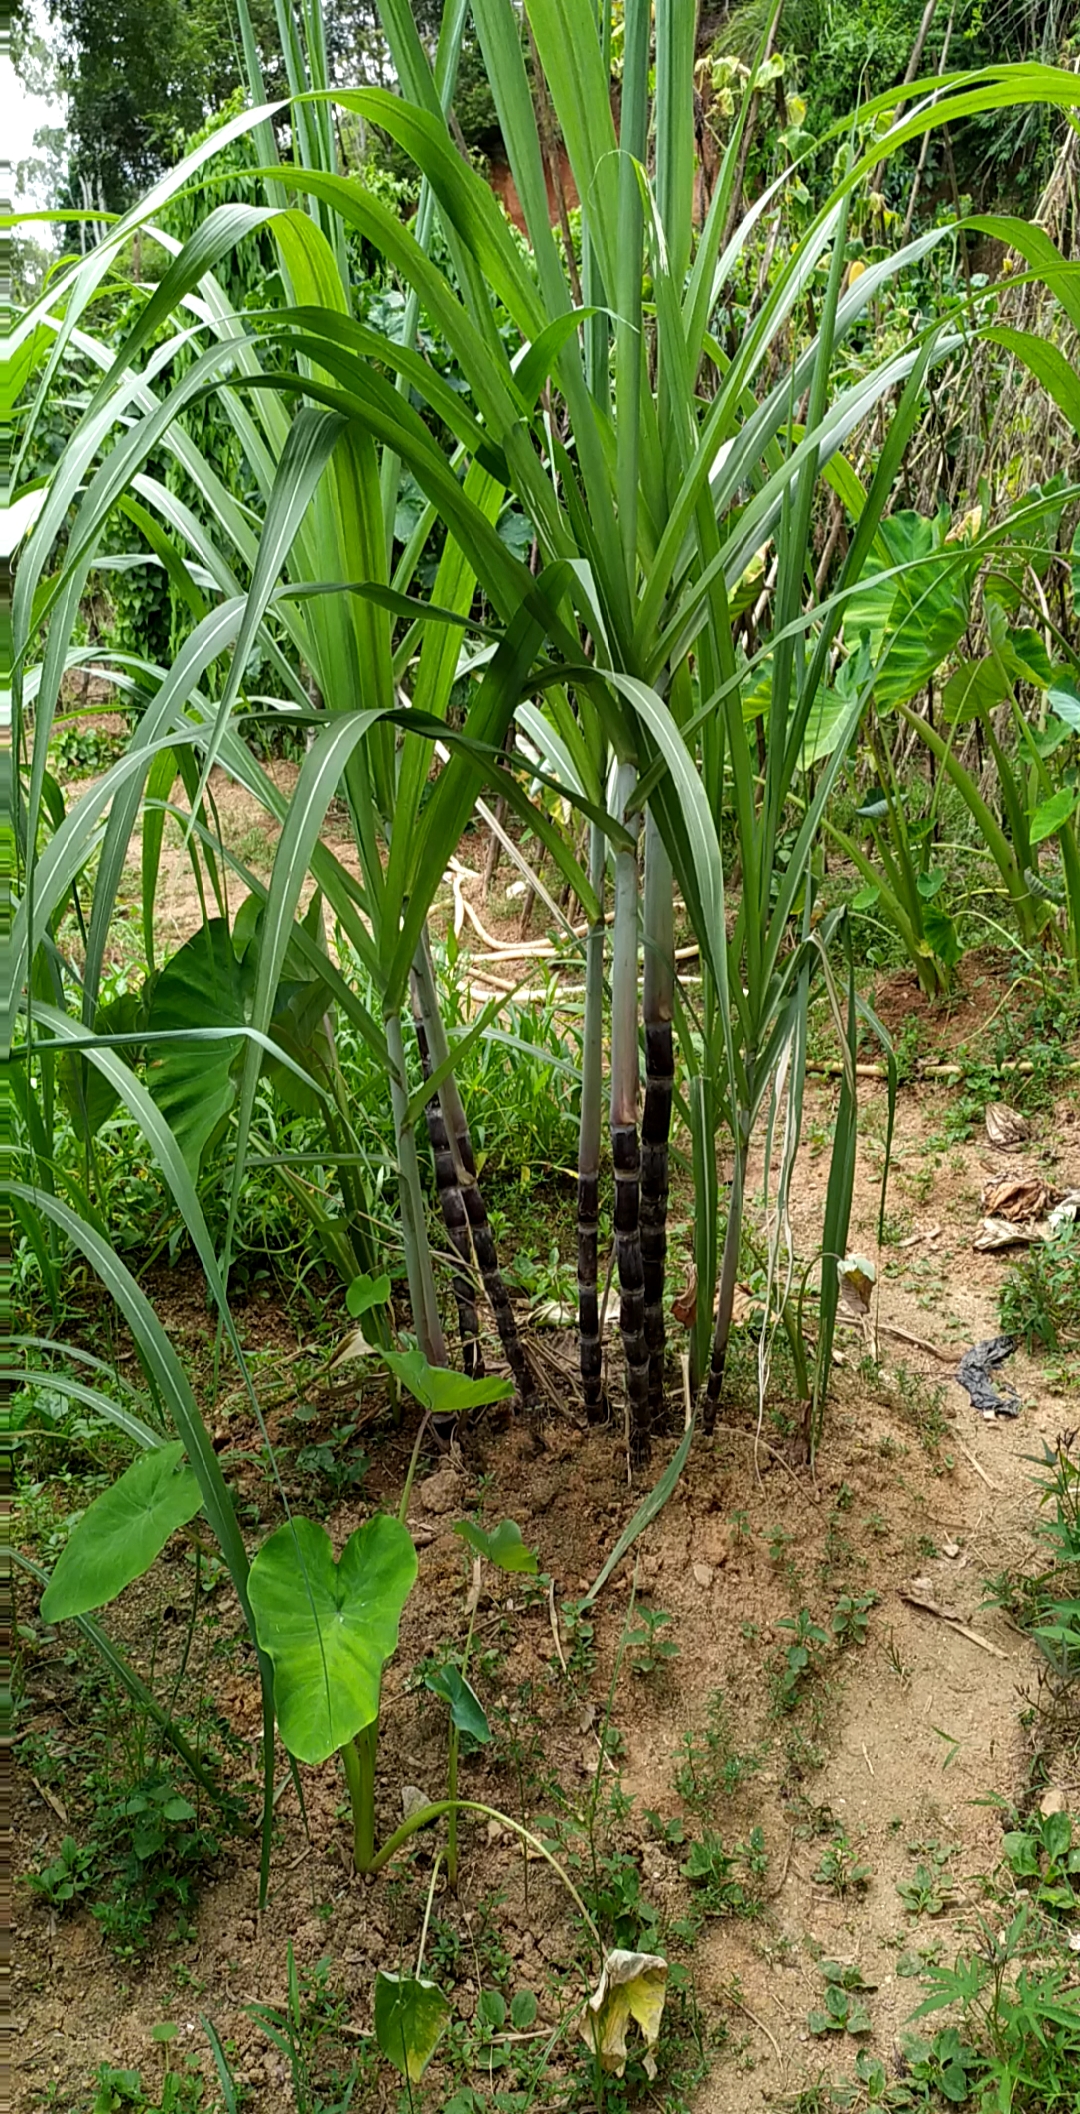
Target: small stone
point(950, 1548)
point(440, 1492)
point(412, 1799)
point(1053, 1801)
point(704, 1575)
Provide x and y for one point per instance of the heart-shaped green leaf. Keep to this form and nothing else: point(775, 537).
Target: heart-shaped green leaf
point(466, 1710)
point(440, 1390)
point(365, 1293)
point(1050, 814)
point(410, 2017)
point(329, 1627)
point(502, 1547)
point(1065, 701)
point(120, 1534)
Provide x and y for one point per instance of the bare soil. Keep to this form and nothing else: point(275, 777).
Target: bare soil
point(919, 1730)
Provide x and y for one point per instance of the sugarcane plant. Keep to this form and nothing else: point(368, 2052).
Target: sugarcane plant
point(649, 505)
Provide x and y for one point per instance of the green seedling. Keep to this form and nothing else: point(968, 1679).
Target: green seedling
point(844, 2010)
point(67, 1877)
point(504, 1548)
point(839, 1867)
point(648, 1650)
point(802, 1660)
point(850, 1618)
point(1043, 1856)
point(928, 1893)
point(713, 1869)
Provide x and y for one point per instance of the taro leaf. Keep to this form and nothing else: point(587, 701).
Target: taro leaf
point(975, 688)
point(1052, 814)
point(410, 2019)
point(120, 1534)
point(329, 1627)
point(942, 935)
point(298, 1026)
point(466, 1710)
point(88, 1095)
point(502, 1547)
point(915, 618)
point(632, 1986)
point(365, 1293)
point(1064, 699)
point(194, 1083)
point(857, 1278)
point(440, 1390)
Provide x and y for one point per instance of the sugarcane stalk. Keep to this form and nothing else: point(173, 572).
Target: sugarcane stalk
point(451, 1203)
point(421, 1277)
point(729, 1270)
point(625, 1142)
point(590, 1350)
point(482, 1242)
point(657, 1009)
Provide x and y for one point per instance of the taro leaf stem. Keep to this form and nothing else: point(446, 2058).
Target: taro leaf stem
point(358, 1761)
point(423, 1818)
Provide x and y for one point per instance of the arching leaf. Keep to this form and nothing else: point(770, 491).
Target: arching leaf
point(329, 1627)
point(121, 1533)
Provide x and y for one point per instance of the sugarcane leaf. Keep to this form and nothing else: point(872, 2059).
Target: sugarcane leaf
point(329, 1627)
point(503, 1546)
point(92, 1398)
point(466, 1710)
point(121, 1533)
point(411, 2015)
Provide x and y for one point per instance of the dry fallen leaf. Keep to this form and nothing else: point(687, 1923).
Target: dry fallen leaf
point(1006, 1233)
point(1053, 1800)
point(684, 1304)
point(1018, 1197)
point(1005, 1127)
point(632, 1986)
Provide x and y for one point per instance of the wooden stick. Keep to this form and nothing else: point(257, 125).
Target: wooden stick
point(978, 1467)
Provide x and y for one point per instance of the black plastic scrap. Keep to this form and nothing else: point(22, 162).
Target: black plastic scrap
point(973, 1374)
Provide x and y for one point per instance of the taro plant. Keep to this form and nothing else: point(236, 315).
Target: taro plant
point(328, 1628)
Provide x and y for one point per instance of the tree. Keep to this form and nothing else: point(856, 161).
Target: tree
point(140, 75)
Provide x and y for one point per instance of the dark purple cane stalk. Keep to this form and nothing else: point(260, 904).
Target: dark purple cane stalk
point(657, 1007)
point(625, 1144)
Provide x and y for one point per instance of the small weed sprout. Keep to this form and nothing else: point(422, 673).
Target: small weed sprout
point(840, 1869)
point(648, 1650)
